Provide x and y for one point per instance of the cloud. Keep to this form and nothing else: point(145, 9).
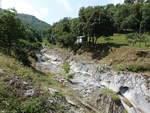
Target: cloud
point(22, 6)
point(117, 1)
point(66, 5)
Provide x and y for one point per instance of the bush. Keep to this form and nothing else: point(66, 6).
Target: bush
point(106, 90)
point(66, 67)
point(70, 76)
point(120, 67)
point(33, 106)
point(67, 39)
point(115, 98)
point(134, 68)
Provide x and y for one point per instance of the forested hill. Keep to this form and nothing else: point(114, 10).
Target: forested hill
point(34, 22)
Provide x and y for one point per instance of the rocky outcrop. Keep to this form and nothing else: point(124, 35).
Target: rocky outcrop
point(15, 82)
point(107, 103)
point(90, 76)
point(135, 87)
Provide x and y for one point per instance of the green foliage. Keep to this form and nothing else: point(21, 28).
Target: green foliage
point(67, 39)
point(113, 94)
point(35, 23)
point(120, 67)
point(102, 21)
point(116, 98)
point(38, 105)
point(16, 39)
point(133, 38)
point(107, 91)
point(70, 76)
point(132, 68)
point(61, 33)
point(66, 67)
point(97, 22)
point(12, 99)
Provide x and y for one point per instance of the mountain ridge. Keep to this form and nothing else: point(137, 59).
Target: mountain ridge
point(33, 21)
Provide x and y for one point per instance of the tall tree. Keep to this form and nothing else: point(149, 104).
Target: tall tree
point(97, 22)
point(129, 1)
point(16, 39)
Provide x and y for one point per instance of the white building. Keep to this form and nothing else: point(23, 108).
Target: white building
point(80, 39)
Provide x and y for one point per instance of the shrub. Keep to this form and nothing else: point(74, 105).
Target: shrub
point(66, 67)
point(134, 68)
point(107, 91)
point(113, 94)
point(115, 98)
point(70, 76)
point(120, 67)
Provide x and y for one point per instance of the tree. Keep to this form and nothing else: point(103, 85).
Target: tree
point(147, 1)
point(133, 1)
point(146, 17)
point(122, 12)
point(97, 22)
point(64, 32)
point(129, 1)
point(16, 39)
point(11, 30)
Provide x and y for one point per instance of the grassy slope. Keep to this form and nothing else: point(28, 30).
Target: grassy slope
point(121, 55)
point(120, 39)
point(10, 99)
point(128, 57)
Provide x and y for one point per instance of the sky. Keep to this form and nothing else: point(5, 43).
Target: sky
point(52, 11)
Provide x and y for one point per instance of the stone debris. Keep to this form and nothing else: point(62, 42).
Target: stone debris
point(29, 92)
point(53, 91)
point(16, 82)
point(2, 71)
point(70, 101)
point(90, 76)
point(104, 102)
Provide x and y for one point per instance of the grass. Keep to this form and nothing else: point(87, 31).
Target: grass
point(117, 52)
point(116, 38)
point(107, 91)
point(66, 67)
point(113, 94)
point(11, 98)
point(121, 39)
point(115, 98)
point(127, 58)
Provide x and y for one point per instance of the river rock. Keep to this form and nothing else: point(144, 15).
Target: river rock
point(29, 93)
point(105, 103)
point(2, 71)
point(90, 76)
point(53, 91)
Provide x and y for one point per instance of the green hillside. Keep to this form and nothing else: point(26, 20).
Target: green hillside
point(34, 22)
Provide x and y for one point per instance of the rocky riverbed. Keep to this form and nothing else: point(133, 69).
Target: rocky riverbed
point(90, 76)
